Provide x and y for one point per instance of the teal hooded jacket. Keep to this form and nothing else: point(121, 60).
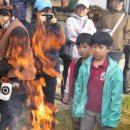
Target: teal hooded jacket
point(111, 95)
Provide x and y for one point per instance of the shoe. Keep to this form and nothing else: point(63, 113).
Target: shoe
point(127, 92)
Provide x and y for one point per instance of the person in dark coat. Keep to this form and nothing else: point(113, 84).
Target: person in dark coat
point(14, 45)
point(44, 19)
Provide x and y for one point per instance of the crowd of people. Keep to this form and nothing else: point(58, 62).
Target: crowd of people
point(92, 79)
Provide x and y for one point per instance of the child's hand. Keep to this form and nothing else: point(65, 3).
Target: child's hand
point(66, 99)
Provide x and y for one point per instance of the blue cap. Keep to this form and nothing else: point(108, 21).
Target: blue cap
point(41, 4)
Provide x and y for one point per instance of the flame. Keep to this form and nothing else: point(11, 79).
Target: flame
point(43, 114)
point(43, 42)
point(19, 58)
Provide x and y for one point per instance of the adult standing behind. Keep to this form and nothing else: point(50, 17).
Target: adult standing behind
point(45, 24)
point(121, 35)
point(14, 45)
point(76, 24)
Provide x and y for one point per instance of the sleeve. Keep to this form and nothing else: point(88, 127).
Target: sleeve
point(77, 93)
point(70, 32)
point(66, 91)
point(127, 30)
point(116, 99)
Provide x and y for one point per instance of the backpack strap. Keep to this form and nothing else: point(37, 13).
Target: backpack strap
point(117, 24)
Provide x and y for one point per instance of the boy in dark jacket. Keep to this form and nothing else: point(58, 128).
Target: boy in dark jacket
point(84, 49)
point(98, 88)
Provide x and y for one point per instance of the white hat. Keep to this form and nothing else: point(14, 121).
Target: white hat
point(83, 2)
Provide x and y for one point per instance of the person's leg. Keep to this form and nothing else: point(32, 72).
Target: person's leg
point(88, 121)
point(16, 105)
point(76, 125)
point(5, 120)
point(98, 120)
point(126, 72)
point(49, 89)
point(66, 64)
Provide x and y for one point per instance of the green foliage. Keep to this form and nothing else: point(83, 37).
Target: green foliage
point(65, 123)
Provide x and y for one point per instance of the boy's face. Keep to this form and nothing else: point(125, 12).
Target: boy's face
point(84, 50)
point(100, 51)
point(81, 10)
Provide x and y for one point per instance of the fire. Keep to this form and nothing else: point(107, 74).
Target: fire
point(42, 113)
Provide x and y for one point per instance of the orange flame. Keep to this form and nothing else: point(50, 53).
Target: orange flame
point(17, 55)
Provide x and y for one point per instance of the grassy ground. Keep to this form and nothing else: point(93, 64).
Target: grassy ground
point(64, 117)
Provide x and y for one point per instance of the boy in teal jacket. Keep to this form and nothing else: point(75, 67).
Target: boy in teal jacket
point(98, 89)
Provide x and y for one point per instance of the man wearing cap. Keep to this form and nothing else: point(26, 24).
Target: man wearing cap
point(121, 35)
point(76, 24)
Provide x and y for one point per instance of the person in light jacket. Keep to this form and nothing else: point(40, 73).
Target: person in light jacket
point(76, 24)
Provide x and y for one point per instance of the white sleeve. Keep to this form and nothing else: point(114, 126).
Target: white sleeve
point(70, 32)
point(66, 91)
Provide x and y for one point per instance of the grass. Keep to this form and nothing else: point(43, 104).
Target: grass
point(64, 117)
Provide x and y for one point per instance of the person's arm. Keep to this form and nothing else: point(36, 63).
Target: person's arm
point(77, 93)
point(89, 27)
point(66, 97)
point(70, 31)
point(127, 30)
point(116, 98)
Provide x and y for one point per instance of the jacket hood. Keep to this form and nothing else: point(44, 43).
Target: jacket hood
point(112, 63)
point(41, 4)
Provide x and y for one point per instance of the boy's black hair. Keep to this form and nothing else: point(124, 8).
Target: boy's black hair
point(102, 38)
point(83, 38)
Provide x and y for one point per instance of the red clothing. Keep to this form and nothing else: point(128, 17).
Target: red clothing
point(95, 86)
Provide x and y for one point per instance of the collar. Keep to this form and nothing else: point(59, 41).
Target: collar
point(116, 11)
point(8, 22)
point(104, 65)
